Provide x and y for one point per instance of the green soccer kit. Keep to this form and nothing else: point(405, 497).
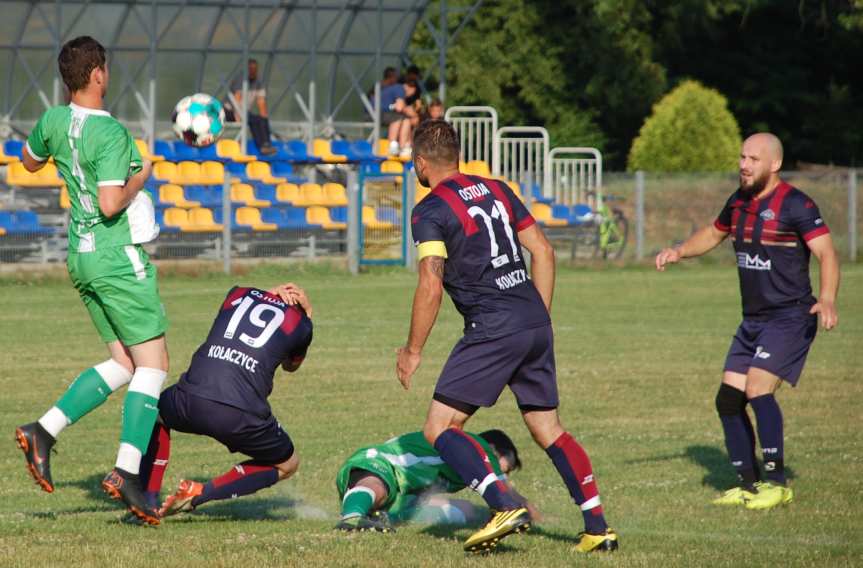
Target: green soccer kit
point(106, 262)
point(409, 466)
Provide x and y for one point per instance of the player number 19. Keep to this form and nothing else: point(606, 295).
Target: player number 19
point(268, 327)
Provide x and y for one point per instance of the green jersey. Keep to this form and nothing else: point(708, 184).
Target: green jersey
point(92, 150)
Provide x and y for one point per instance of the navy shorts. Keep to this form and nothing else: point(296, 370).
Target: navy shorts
point(262, 439)
point(778, 345)
point(476, 373)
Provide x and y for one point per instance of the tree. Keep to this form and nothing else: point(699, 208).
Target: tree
point(690, 130)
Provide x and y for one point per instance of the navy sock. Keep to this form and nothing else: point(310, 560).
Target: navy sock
point(750, 432)
point(769, 418)
point(469, 460)
point(731, 406)
point(574, 467)
point(243, 479)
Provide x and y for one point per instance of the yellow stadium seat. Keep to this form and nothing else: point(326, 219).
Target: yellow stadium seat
point(335, 194)
point(4, 159)
point(231, 149)
point(201, 221)
point(245, 193)
point(321, 216)
point(477, 168)
point(542, 213)
point(189, 173)
point(260, 171)
point(421, 192)
point(383, 148)
point(252, 216)
point(370, 220)
point(288, 192)
point(165, 172)
point(516, 189)
point(173, 194)
point(145, 152)
point(392, 167)
point(2, 231)
point(322, 149)
point(176, 217)
point(17, 175)
point(65, 202)
point(311, 194)
point(212, 173)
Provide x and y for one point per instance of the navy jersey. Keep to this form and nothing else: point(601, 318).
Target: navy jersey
point(770, 236)
point(474, 222)
point(253, 334)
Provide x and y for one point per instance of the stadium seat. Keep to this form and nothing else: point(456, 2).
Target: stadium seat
point(563, 212)
point(163, 226)
point(184, 152)
point(335, 194)
point(371, 221)
point(286, 170)
point(189, 173)
point(207, 196)
point(339, 214)
point(260, 171)
point(581, 213)
point(165, 172)
point(321, 216)
point(421, 192)
point(65, 201)
point(237, 171)
point(321, 149)
point(6, 158)
point(392, 167)
point(22, 222)
point(201, 221)
point(516, 189)
point(212, 173)
point(2, 231)
point(287, 193)
point(165, 149)
point(364, 151)
point(230, 150)
point(542, 213)
point(383, 148)
point(251, 217)
point(173, 195)
point(47, 176)
point(13, 148)
point(273, 215)
point(295, 218)
point(244, 193)
point(176, 219)
point(296, 151)
point(311, 194)
point(144, 150)
point(477, 168)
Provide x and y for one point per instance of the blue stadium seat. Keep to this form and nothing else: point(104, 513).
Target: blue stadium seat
point(206, 195)
point(13, 148)
point(184, 152)
point(364, 150)
point(536, 194)
point(237, 170)
point(27, 222)
point(286, 170)
point(581, 213)
point(339, 214)
point(274, 215)
point(388, 215)
point(294, 151)
point(208, 153)
point(6, 221)
point(295, 218)
point(219, 218)
point(266, 192)
point(166, 149)
point(562, 212)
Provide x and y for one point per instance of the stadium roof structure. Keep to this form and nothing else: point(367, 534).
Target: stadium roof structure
point(319, 59)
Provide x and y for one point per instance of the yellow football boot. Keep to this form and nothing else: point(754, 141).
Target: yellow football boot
point(736, 496)
point(597, 542)
point(770, 495)
point(502, 524)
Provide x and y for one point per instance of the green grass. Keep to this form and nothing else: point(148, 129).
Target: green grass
point(639, 358)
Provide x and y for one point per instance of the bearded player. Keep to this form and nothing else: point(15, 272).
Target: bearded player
point(775, 228)
point(110, 220)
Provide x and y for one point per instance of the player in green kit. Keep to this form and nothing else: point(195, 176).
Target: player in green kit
point(389, 481)
point(110, 219)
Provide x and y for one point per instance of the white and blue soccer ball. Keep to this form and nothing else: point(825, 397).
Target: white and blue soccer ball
point(198, 119)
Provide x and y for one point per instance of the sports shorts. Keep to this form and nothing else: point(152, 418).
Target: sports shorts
point(262, 439)
point(119, 288)
point(778, 345)
point(476, 373)
point(366, 461)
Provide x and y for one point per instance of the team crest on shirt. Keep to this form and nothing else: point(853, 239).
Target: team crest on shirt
point(768, 215)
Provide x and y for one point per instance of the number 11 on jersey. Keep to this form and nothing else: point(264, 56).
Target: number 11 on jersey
point(498, 211)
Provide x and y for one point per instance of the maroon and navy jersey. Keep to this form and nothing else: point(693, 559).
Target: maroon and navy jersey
point(253, 334)
point(474, 222)
point(770, 236)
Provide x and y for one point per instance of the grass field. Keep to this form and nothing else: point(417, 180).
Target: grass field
point(639, 358)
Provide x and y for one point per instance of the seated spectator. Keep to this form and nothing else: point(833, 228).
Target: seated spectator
point(258, 119)
point(413, 74)
point(433, 111)
point(399, 118)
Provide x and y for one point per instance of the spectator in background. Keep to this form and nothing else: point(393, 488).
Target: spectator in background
point(258, 116)
point(434, 111)
point(391, 77)
point(413, 74)
point(399, 118)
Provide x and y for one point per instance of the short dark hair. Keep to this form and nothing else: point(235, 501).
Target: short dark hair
point(390, 72)
point(503, 446)
point(253, 60)
point(436, 102)
point(77, 59)
point(413, 69)
point(435, 140)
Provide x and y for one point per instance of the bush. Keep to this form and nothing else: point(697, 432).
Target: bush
point(690, 130)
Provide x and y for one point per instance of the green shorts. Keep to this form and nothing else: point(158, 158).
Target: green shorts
point(119, 289)
point(378, 466)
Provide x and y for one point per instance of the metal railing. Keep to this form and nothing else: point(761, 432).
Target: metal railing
point(576, 175)
point(476, 127)
point(521, 154)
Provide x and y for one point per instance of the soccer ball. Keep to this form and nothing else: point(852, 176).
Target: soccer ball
point(198, 119)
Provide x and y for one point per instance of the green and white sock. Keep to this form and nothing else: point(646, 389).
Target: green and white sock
point(89, 389)
point(357, 502)
point(140, 409)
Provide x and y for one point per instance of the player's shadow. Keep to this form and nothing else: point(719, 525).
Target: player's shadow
point(720, 475)
point(460, 532)
point(272, 509)
point(92, 487)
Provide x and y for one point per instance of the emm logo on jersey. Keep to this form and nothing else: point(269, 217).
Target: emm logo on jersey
point(752, 262)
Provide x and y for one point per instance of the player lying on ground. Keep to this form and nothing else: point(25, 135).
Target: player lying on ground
point(400, 480)
point(775, 227)
point(110, 218)
point(469, 232)
point(224, 394)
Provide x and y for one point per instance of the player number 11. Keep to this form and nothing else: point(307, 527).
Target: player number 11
point(498, 211)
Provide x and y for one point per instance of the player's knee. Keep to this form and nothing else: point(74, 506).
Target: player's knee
point(431, 432)
point(729, 400)
point(289, 467)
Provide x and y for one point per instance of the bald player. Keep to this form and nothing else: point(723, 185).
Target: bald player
point(775, 228)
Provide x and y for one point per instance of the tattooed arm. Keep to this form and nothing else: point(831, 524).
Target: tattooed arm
point(427, 300)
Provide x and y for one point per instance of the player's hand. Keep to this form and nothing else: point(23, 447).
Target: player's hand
point(827, 315)
point(145, 171)
point(667, 256)
point(292, 295)
point(407, 363)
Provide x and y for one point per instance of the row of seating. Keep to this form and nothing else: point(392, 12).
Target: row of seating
point(307, 194)
point(22, 222)
point(206, 220)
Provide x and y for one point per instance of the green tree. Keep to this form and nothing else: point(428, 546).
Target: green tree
point(690, 130)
